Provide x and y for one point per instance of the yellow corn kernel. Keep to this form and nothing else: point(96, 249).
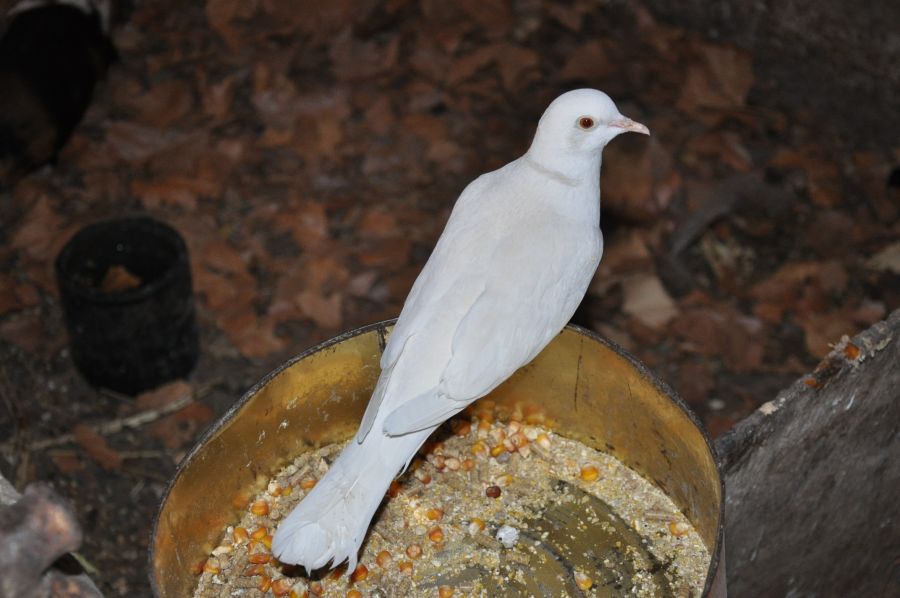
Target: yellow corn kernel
point(434, 514)
point(260, 558)
point(589, 473)
point(260, 508)
point(476, 525)
point(360, 573)
point(413, 551)
point(253, 570)
point(445, 592)
point(384, 559)
point(583, 581)
point(240, 535)
point(479, 448)
point(259, 533)
point(264, 583)
point(679, 528)
point(436, 534)
point(405, 567)
point(212, 565)
point(308, 483)
point(281, 587)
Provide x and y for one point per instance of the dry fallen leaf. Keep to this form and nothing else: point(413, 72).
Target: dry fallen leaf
point(646, 299)
point(721, 79)
point(162, 396)
point(886, 260)
point(97, 448)
point(182, 427)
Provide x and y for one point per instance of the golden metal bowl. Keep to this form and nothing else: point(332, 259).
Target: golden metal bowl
point(589, 390)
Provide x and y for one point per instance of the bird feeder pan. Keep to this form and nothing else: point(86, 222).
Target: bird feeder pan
point(589, 389)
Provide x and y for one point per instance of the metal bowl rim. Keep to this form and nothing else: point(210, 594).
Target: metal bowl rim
point(380, 328)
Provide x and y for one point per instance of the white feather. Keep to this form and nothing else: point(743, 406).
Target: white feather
point(508, 272)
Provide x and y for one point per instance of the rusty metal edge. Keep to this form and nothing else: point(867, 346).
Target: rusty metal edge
point(715, 579)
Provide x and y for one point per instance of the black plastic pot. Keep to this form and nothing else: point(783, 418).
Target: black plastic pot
point(143, 334)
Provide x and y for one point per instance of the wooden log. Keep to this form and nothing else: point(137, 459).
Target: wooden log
point(813, 479)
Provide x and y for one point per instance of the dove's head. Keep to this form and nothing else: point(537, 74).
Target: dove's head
point(580, 122)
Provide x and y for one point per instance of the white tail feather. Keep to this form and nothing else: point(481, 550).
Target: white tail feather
point(330, 523)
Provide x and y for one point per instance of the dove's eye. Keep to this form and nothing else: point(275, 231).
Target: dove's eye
point(586, 122)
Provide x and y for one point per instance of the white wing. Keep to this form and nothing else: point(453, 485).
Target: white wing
point(505, 277)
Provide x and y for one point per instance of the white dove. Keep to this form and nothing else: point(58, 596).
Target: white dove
point(508, 272)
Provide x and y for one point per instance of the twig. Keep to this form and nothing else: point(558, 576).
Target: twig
point(115, 426)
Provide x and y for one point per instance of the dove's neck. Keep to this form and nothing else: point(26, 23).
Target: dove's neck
point(573, 169)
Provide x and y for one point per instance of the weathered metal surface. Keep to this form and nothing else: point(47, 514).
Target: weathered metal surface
point(587, 389)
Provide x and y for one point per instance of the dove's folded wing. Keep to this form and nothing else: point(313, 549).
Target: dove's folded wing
point(508, 324)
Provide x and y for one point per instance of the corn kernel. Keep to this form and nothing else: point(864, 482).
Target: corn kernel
point(260, 558)
point(405, 567)
point(476, 525)
point(360, 573)
point(394, 489)
point(497, 450)
point(260, 508)
point(583, 581)
point(513, 427)
point(295, 594)
point(308, 483)
point(445, 592)
point(316, 588)
point(525, 451)
point(240, 535)
point(212, 565)
point(354, 594)
point(273, 488)
point(384, 559)
point(438, 461)
point(287, 491)
point(281, 587)
point(679, 528)
point(264, 583)
point(452, 463)
point(543, 440)
point(434, 514)
point(267, 542)
point(463, 428)
point(423, 476)
point(436, 534)
point(253, 570)
point(468, 465)
point(519, 440)
point(413, 551)
point(259, 533)
point(504, 480)
point(589, 473)
point(479, 448)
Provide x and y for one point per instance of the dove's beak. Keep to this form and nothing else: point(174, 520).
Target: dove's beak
point(627, 124)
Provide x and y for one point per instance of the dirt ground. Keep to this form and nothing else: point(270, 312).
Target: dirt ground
point(310, 156)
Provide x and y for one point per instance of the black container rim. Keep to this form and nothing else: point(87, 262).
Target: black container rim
point(130, 296)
